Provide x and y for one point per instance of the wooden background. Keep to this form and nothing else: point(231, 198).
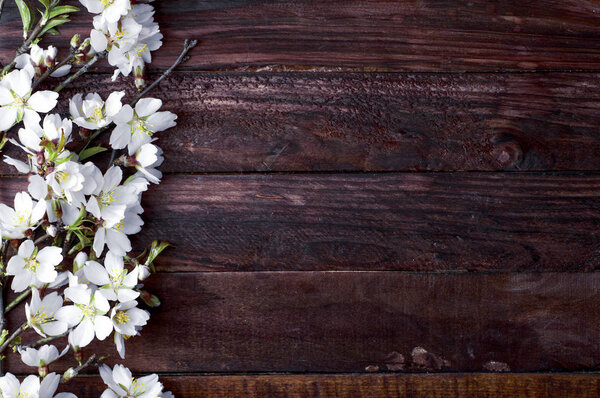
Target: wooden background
point(372, 198)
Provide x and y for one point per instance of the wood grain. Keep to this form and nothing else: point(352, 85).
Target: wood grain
point(416, 222)
point(368, 34)
point(365, 322)
point(373, 122)
point(361, 386)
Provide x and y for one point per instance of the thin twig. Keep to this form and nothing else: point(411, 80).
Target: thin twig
point(49, 71)
point(187, 46)
point(81, 71)
point(74, 372)
point(17, 301)
point(13, 336)
point(25, 46)
point(1, 9)
point(43, 341)
point(41, 239)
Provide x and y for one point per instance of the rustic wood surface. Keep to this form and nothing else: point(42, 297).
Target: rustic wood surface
point(361, 386)
point(370, 34)
point(314, 163)
point(374, 122)
point(413, 222)
point(365, 322)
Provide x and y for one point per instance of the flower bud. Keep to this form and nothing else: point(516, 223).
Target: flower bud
point(52, 230)
point(79, 261)
point(75, 41)
point(139, 74)
point(43, 371)
point(50, 59)
point(69, 374)
point(150, 299)
point(143, 272)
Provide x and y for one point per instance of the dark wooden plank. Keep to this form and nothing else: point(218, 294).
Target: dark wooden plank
point(375, 122)
point(417, 222)
point(371, 35)
point(363, 386)
point(366, 321)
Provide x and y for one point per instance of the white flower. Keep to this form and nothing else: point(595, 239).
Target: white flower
point(115, 237)
point(87, 313)
point(114, 280)
point(111, 10)
point(49, 385)
point(11, 388)
point(18, 103)
point(149, 39)
point(135, 128)
point(25, 215)
point(31, 267)
point(39, 60)
point(41, 314)
point(116, 37)
point(121, 384)
point(44, 356)
point(127, 320)
point(110, 200)
point(145, 161)
point(67, 182)
point(93, 113)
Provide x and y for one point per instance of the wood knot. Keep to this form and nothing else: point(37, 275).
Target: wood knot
point(506, 151)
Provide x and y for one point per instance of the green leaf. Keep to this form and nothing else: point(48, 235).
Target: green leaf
point(45, 3)
point(89, 152)
point(25, 12)
point(155, 249)
point(53, 23)
point(59, 10)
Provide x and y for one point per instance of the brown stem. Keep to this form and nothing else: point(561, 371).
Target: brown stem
point(187, 46)
point(17, 301)
point(1, 9)
point(43, 341)
point(81, 71)
point(13, 336)
point(51, 70)
point(74, 372)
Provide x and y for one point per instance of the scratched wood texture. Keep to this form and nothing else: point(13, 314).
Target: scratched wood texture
point(365, 321)
point(361, 386)
point(374, 122)
point(339, 136)
point(371, 34)
point(388, 222)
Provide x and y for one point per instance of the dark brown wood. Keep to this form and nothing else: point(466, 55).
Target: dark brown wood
point(355, 386)
point(417, 222)
point(365, 322)
point(373, 122)
point(368, 35)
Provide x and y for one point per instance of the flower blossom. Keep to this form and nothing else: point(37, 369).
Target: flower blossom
point(18, 103)
point(41, 314)
point(31, 267)
point(135, 127)
point(94, 113)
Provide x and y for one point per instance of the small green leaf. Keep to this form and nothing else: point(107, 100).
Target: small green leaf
point(25, 12)
point(54, 23)
point(89, 152)
point(59, 10)
point(45, 3)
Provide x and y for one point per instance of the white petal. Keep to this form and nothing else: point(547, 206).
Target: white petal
point(147, 106)
point(103, 326)
point(43, 101)
point(8, 117)
point(96, 273)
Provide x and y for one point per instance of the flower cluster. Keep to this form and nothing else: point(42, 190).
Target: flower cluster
point(65, 246)
point(127, 32)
